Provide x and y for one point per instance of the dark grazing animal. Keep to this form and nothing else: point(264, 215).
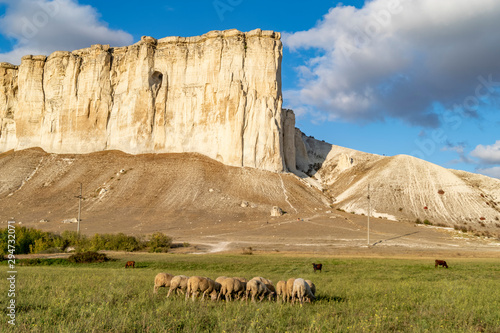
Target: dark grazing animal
point(317, 267)
point(440, 263)
point(130, 264)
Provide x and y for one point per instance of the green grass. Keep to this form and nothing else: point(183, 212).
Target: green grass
point(354, 295)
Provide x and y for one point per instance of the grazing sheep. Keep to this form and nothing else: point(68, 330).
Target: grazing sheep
point(281, 290)
point(289, 289)
point(221, 278)
point(178, 284)
point(271, 288)
point(312, 286)
point(301, 291)
point(264, 280)
point(268, 283)
point(162, 280)
point(257, 289)
point(241, 279)
point(230, 286)
point(130, 264)
point(206, 286)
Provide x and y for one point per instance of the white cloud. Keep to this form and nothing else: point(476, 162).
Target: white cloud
point(401, 58)
point(492, 172)
point(488, 154)
point(43, 26)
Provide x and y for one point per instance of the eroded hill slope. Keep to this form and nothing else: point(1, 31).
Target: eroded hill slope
point(142, 193)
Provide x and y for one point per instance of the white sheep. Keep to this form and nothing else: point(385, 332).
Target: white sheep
point(241, 279)
point(301, 290)
point(289, 289)
point(230, 286)
point(221, 278)
point(269, 285)
point(257, 289)
point(281, 290)
point(206, 286)
point(261, 279)
point(178, 284)
point(162, 280)
point(312, 286)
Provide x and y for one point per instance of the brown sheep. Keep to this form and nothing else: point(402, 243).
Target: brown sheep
point(257, 289)
point(162, 280)
point(178, 284)
point(301, 291)
point(281, 290)
point(230, 286)
point(206, 286)
point(289, 289)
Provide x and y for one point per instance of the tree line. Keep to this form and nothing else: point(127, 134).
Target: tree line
point(30, 240)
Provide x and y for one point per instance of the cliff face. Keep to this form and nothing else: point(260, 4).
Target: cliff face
point(218, 94)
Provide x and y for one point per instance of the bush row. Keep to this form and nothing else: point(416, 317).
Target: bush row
point(29, 240)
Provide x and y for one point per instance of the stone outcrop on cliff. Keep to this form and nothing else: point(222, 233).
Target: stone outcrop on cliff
point(218, 94)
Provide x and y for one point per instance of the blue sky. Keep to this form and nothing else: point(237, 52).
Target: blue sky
point(415, 77)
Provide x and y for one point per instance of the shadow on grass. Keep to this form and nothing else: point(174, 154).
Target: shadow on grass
point(26, 308)
point(327, 298)
point(57, 262)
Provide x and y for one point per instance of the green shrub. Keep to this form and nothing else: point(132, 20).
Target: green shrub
point(30, 262)
point(29, 240)
point(115, 242)
point(88, 257)
point(51, 250)
point(37, 241)
point(43, 262)
point(159, 242)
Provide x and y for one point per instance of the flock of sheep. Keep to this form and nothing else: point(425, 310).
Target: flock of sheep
point(291, 290)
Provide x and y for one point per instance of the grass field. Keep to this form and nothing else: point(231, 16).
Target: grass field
point(354, 295)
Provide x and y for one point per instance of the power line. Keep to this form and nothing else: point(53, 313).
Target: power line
point(80, 197)
point(369, 213)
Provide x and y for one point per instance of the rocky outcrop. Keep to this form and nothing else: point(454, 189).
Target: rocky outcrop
point(218, 94)
point(289, 140)
point(8, 104)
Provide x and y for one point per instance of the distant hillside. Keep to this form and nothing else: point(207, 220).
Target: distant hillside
point(403, 187)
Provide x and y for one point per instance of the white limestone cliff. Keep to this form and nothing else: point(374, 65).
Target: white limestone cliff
point(218, 94)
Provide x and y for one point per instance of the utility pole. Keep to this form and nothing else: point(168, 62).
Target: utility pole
point(79, 209)
point(369, 213)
